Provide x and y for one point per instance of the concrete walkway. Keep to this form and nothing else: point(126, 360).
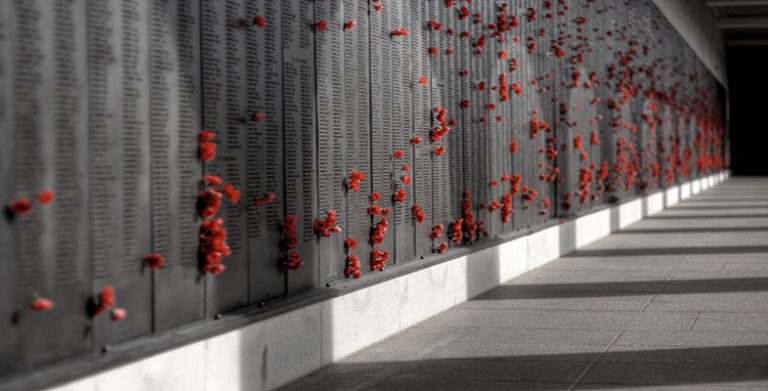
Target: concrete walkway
point(676, 301)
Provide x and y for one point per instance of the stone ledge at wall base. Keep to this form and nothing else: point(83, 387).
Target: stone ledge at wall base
point(273, 352)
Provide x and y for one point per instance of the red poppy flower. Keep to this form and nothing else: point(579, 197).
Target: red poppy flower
point(437, 231)
point(350, 25)
point(423, 80)
point(154, 261)
point(398, 154)
point(406, 179)
point(434, 25)
point(433, 51)
point(439, 151)
point(209, 202)
point(206, 135)
point(378, 259)
point(351, 244)
point(321, 25)
point(21, 206)
point(353, 267)
point(232, 193)
point(416, 140)
point(405, 167)
point(513, 146)
point(207, 151)
point(45, 197)
point(213, 180)
point(400, 196)
point(259, 21)
point(41, 304)
point(269, 197)
point(418, 214)
point(354, 181)
point(117, 314)
point(292, 262)
point(257, 117)
point(375, 196)
point(106, 299)
point(443, 247)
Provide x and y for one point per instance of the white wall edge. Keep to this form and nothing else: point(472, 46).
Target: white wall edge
point(273, 352)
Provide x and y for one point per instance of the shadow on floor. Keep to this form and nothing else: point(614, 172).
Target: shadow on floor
point(655, 251)
point(622, 367)
point(690, 230)
point(627, 288)
point(708, 216)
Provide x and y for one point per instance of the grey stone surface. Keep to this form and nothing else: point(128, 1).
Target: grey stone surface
point(675, 302)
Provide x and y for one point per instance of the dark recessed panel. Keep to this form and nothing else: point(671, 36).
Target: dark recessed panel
point(300, 136)
point(382, 131)
point(331, 137)
point(403, 81)
point(9, 338)
point(264, 150)
point(175, 122)
point(119, 101)
point(357, 129)
point(422, 121)
point(226, 114)
point(441, 76)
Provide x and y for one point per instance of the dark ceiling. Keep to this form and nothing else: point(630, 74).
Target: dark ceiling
point(742, 22)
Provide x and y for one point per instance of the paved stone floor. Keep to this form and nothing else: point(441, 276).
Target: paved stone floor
point(676, 301)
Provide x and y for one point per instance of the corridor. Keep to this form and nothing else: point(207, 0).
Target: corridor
point(676, 301)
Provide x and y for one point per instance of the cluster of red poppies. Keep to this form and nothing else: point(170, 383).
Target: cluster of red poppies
point(326, 227)
point(354, 181)
point(292, 260)
point(106, 301)
point(213, 245)
point(24, 205)
point(418, 213)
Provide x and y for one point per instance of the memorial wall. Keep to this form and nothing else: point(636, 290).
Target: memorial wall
point(165, 161)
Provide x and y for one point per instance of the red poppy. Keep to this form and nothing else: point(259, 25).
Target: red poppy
point(443, 247)
point(398, 154)
point(292, 261)
point(375, 196)
point(378, 259)
point(354, 181)
point(21, 206)
point(351, 244)
point(232, 194)
point(41, 304)
point(207, 151)
point(206, 135)
point(406, 179)
point(416, 140)
point(321, 25)
point(269, 197)
point(154, 261)
point(379, 231)
point(418, 214)
point(106, 299)
point(423, 80)
point(117, 314)
point(350, 25)
point(45, 197)
point(259, 21)
point(257, 117)
point(353, 267)
point(400, 196)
